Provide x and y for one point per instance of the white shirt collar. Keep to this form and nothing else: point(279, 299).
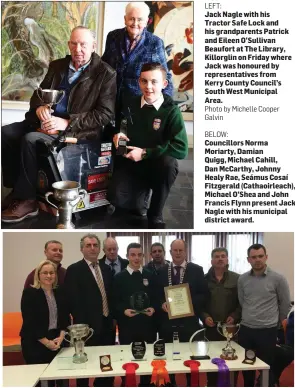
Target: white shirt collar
point(90, 262)
point(181, 265)
point(130, 270)
point(157, 104)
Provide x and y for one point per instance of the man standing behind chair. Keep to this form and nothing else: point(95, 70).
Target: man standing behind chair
point(54, 252)
point(111, 257)
point(88, 105)
point(88, 287)
point(223, 303)
point(265, 300)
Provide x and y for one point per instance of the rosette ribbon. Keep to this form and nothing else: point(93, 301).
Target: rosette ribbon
point(223, 379)
point(194, 366)
point(130, 368)
point(159, 375)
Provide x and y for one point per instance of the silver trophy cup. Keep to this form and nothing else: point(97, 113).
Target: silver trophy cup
point(68, 193)
point(228, 331)
point(50, 96)
point(79, 334)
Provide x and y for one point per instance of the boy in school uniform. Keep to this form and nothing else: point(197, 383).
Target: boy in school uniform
point(133, 296)
point(156, 137)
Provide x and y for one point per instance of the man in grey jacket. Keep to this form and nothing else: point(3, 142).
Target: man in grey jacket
point(88, 104)
point(222, 304)
point(265, 300)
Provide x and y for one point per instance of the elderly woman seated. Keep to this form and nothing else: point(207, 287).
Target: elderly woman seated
point(127, 49)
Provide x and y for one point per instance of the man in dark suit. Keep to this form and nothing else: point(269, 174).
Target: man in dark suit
point(111, 257)
point(88, 285)
point(115, 262)
point(178, 272)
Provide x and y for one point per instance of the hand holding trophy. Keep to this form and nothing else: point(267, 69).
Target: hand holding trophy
point(49, 97)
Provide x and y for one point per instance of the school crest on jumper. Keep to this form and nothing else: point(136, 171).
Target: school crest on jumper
point(156, 124)
point(145, 282)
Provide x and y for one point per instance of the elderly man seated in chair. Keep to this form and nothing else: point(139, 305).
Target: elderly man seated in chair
point(153, 126)
point(88, 105)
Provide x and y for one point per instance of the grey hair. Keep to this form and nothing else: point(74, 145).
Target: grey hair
point(107, 239)
point(143, 7)
point(89, 235)
point(84, 28)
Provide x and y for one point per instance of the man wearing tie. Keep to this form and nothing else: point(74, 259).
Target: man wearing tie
point(181, 271)
point(178, 272)
point(88, 286)
point(111, 257)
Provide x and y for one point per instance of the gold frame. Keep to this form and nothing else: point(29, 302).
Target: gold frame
point(189, 301)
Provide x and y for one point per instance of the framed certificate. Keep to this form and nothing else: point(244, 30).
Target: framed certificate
point(179, 301)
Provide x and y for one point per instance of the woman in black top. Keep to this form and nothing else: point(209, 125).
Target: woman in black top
point(44, 317)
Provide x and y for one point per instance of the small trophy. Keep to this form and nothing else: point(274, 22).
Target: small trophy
point(159, 349)
point(50, 97)
point(138, 349)
point(69, 193)
point(77, 334)
point(199, 346)
point(250, 357)
point(122, 145)
point(228, 331)
point(139, 302)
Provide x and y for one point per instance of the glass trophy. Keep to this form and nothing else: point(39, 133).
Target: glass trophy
point(159, 349)
point(122, 144)
point(199, 346)
point(139, 302)
point(138, 349)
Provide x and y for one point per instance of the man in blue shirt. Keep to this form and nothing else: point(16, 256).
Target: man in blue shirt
point(111, 257)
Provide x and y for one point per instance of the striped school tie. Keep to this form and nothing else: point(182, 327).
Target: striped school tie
point(105, 308)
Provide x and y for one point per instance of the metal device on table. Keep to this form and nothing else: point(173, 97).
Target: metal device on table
point(79, 334)
point(228, 331)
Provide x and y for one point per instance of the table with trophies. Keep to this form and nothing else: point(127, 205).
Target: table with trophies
point(80, 361)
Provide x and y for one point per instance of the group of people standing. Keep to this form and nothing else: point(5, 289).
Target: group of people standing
point(99, 293)
point(130, 81)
